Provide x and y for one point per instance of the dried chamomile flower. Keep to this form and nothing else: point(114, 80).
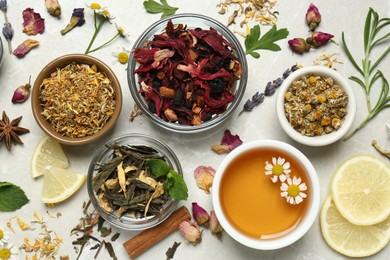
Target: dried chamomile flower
point(9, 252)
point(293, 190)
point(279, 169)
point(121, 56)
point(4, 235)
point(33, 23)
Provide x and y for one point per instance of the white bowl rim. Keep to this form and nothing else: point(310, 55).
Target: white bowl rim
point(303, 226)
point(323, 139)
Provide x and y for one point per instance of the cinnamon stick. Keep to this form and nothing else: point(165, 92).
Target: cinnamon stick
point(147, 238)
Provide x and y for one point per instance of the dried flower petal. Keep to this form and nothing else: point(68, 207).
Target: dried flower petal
point(228, 143)
point(33, 22)
point(25, 47)
point(200, 215)
point(77, 19)
point(215, 226)
point(313, 17)
point(204, 176)
point(190, 231)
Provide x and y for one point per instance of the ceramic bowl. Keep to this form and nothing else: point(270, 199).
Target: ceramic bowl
point(285, 237)
point(318, 140)
point(192, 21)
point(60, 63)
point(103, 154)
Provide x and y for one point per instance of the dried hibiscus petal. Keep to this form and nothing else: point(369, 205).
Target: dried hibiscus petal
point(228, 143)
point(33, 23)
point(186, 75)
point(25, 47)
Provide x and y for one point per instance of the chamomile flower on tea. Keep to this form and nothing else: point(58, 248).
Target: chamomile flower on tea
point(293, 189)
point(279, 169)
point(121, 56)
point(8, 252)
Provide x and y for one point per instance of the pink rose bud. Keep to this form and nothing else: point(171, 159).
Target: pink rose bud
point(299, 45)
point(200, 214)
point(319, 38)
point(215, 227)
point(21, 94)
point(313, 17)
point(190, 231)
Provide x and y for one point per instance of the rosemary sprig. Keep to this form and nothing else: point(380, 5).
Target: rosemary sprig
point(373, 26)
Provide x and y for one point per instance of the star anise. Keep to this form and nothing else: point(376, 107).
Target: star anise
point(9, 131)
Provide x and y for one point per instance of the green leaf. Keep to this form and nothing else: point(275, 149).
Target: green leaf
point(253, 41)
point(153, 7)
point(11, 197)
point(158, 167)
point(176, 186)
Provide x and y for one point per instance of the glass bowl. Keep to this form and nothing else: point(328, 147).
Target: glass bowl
point(1, 52)
point(192, 21)
point(104, 153)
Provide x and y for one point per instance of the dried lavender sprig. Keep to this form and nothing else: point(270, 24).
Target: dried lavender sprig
point(8, 33)
point(270, 89)
point(3, 7)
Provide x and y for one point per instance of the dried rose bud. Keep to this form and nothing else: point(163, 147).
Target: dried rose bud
point(32, 22)
point(53, 7)
point(190, 231)
point(313, 17)
point(299, 45)
point(215, 226)
point(21, 93)
point(25, 47)
point(77, 19)
point(200, 215)
point(319, 38)
point(204, 176)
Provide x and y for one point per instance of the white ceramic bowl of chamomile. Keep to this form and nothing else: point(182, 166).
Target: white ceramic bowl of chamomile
point(309, 118)
point(258, 212)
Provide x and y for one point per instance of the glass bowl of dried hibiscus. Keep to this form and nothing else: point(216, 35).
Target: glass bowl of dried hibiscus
point(187, 73)
point(135, 181)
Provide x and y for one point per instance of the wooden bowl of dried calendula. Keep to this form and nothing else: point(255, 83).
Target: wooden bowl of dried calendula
point(76, 99)
point(316, 106)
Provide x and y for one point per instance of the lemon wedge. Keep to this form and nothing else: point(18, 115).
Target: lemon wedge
point(47, 152)
point(59, 184)
point(361, 190)
point(349, 239)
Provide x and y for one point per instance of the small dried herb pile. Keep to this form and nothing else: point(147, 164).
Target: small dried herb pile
point(187, 75)
point(137, 181)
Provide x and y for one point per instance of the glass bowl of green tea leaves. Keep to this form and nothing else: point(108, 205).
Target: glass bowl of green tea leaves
point(135, 182)
point(187, 73)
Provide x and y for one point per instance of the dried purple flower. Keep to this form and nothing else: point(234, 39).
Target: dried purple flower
point(77, 19)
point(8, 33)
point(3, 5)
point(298, 45)
point(313, 17)
point(269, 89)
point(200, 215)
point(319, 38)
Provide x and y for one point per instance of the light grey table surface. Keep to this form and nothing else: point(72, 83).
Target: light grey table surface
point(193, 150)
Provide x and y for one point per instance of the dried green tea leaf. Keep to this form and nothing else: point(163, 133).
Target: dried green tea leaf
point(171, 251)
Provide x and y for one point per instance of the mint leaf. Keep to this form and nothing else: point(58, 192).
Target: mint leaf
point(158, 167)
point(253, 41)
point(176, 186)
point(153, 7)
point(11, 197)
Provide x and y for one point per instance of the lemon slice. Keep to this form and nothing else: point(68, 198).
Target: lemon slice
point(59, 184)
point(47, 152)
point(349, 239)
point(361, 190)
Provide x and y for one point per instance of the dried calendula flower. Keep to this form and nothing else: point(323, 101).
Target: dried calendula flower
point(25, 47)
point(33, 23)
point(204, 176)
point(23, 225)
point(82, 109)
